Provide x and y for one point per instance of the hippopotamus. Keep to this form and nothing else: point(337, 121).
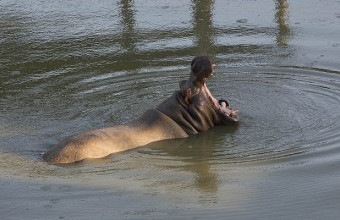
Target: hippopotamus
point(190, 110)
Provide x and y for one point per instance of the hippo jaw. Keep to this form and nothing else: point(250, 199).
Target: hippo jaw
point(221, 107)
point(228, 115)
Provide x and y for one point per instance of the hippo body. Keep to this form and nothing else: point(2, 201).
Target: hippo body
point(190, 110)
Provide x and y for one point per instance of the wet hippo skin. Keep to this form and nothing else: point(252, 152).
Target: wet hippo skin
point(190, 110)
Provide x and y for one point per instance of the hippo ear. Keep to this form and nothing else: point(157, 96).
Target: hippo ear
point(187, 94)
point(186, 91)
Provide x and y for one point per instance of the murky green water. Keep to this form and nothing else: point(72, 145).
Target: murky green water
point(71, 66)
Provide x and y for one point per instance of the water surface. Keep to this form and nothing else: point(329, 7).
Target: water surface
point(71, 66)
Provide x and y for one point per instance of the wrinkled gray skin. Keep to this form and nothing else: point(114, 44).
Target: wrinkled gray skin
point(188, 111)
point(201, 113)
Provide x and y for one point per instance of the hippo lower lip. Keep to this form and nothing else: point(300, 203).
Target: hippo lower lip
point(229, 114)
point(221, 105)
point(225, 108)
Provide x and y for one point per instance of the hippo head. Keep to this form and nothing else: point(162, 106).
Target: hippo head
point(193, 107)
point(201, 70)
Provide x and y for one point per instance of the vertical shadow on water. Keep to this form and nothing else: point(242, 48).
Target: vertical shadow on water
point(197, 153)
point(203, 26)
point(281, 17)
point(128, 25)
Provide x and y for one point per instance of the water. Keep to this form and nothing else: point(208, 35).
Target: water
point(71, 66)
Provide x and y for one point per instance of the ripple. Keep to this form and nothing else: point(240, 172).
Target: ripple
point(104, 76)
point(286, 112)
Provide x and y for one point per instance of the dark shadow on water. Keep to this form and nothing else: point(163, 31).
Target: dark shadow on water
point(203, 26)
point(128, 22)
point(197, 153)
point(281, 17)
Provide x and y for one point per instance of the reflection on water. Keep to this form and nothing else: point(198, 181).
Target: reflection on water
point(281, 17)
point(67, 67)
point(195, 154)
point(203, 26)
point(128, 24)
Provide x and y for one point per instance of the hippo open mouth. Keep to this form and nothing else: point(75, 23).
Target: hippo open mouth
point(221, 106)
point(201, 70)
point(225, 108)
point(193, 107)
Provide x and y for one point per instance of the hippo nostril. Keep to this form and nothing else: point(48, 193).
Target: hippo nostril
point(225, 101)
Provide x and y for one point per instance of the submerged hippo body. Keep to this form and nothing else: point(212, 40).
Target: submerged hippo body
point(190, 110)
